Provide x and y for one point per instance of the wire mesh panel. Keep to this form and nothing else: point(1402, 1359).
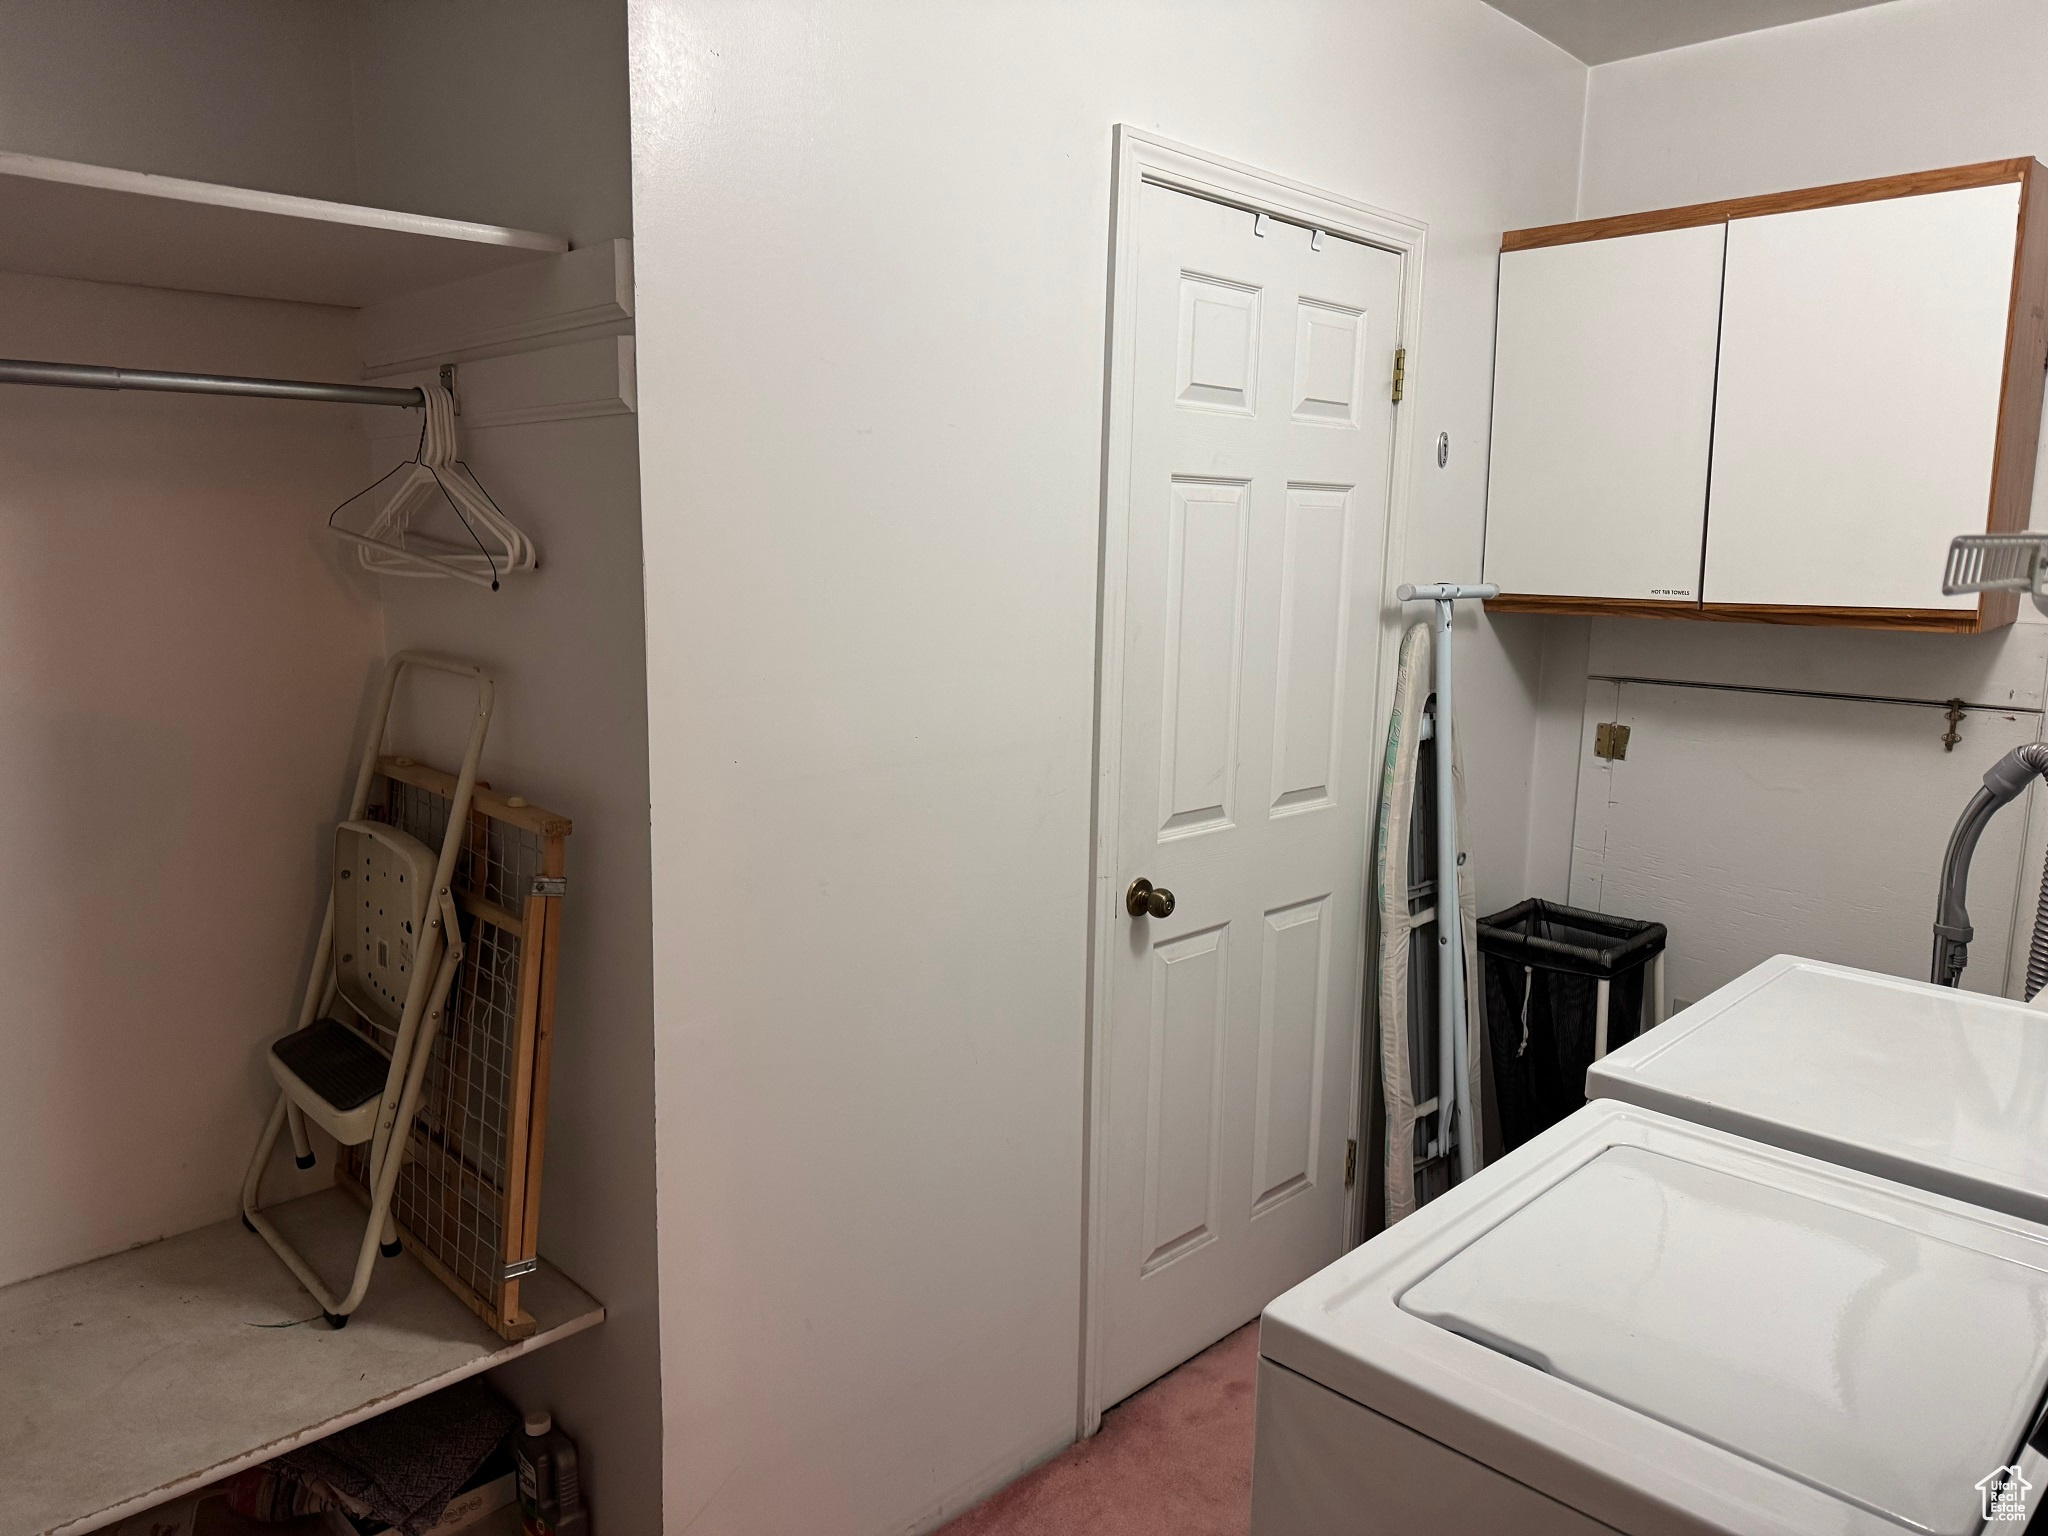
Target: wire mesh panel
point(467, 1198)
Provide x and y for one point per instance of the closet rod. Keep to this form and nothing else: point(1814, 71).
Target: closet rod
point(92, 376)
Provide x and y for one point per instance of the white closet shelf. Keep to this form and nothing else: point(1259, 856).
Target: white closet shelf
point(59, 218)
point(136, 1378)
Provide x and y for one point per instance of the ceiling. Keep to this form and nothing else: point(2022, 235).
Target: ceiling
point(1601, 31)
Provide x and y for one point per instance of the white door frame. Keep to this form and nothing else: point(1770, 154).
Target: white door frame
point(1141, 157)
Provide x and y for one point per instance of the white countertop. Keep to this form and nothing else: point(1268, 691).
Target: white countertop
point(138, 1377)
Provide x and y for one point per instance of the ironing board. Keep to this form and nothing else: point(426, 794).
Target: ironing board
point(1405, 896)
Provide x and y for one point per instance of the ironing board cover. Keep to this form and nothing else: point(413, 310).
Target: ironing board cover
point(1390, 885)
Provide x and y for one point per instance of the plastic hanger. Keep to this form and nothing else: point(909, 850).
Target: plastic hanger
point(390, 545)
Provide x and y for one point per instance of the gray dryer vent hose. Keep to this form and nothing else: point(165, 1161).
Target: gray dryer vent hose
point(2006, 781)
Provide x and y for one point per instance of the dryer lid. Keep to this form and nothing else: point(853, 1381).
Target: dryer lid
point(1939, 1088)
point(1876, 1359)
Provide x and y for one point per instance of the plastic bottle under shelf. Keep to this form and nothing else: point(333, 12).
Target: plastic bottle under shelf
point(550, 1491)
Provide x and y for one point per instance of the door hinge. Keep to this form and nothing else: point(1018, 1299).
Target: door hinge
point(1610, 741)
point(550, 885)
point(1350, 1163)
point(1400, 371)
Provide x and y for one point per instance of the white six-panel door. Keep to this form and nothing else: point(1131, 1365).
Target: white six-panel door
point(1260, 434)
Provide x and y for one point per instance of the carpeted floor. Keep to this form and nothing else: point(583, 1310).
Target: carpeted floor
point(1175, 1460)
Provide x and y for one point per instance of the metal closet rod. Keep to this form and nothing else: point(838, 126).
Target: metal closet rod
point(92, 376)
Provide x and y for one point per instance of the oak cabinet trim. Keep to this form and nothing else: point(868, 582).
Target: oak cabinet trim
point(1593, 607)
point(1878, 189)
point(1944, 621)
point(2026, 355)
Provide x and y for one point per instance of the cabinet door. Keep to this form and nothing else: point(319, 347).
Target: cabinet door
point(1863, 356)
point(1603, 410)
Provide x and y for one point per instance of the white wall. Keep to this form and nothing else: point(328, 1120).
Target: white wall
point(872, 254)
point(254, 93)
point(1553, 785)
point(180, 674)
point(180, 669)
point(1906, 86)
point(516, 113)
point(509, 111)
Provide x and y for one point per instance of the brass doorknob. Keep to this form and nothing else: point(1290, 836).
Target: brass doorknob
point(1144, 899)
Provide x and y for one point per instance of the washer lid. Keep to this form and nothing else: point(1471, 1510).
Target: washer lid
point(1888, 1366)
point(1667, 1327)
point(1935, 1087)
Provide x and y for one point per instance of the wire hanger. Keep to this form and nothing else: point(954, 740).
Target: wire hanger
point(388, 543)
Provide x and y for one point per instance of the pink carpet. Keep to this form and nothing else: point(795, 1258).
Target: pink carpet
point(1175, 1460)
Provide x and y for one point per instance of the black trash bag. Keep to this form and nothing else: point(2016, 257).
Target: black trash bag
point(404, 1466)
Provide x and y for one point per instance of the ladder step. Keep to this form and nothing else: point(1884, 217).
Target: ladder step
point(335, 1062)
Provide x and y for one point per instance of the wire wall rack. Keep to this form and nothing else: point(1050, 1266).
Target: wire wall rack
point(467, 1203)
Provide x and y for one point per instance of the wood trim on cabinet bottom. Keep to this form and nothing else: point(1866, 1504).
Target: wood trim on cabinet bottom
point(1593, 607)
point(1996, 610)
point(1950, 621)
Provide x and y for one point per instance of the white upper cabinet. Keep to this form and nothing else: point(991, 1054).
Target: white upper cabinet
point(1604, 415)
point(1777, 408)
point(1862, 361)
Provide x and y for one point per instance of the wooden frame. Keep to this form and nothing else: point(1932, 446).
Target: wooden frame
point(505, 1187)
point(1140, 157)
point(2020, 395)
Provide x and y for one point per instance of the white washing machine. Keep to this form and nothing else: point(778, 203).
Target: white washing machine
point(1639, 1324)
point(1935, 1087)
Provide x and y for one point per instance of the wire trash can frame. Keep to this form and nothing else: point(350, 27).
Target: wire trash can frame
point(1563, 987)
point(467, 1202)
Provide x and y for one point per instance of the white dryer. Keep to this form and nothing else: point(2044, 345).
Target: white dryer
point(1935, 1087)
point(1644, 1325)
